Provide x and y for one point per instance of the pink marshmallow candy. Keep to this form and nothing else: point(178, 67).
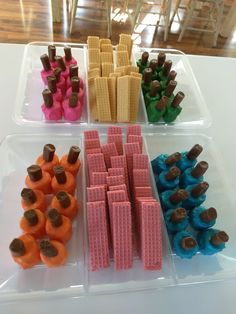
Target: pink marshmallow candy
point(61, 83)
point(68, 59)
point(47, 70)
point(52, 55)
point(72, 108)
point(74, 71)
point(64, 69)
point(52, 86)
point(51, 109)
point(75, 88)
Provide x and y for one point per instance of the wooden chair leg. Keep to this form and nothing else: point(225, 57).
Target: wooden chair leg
point(167, 19)
point(187, 18)
point(220, 9)
point(109, 22)
point(136, 14)
point(175, 11)
point(73, 13)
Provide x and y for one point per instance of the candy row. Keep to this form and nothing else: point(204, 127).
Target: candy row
point(54, 223)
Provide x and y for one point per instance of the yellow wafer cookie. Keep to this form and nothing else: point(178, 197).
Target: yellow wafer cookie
point(107, 68)
point(123, 99)
point(93, 73)
point(122, 58)
point(104, 41)
point(106, 57)
point(92, 99)
point(136, 74)
point(94, 55)
point(131, 68)
point(121, 47)
point(107, 48)
point(116, 74)
point(112, 96)
point(103, 102)
point(125, 39)
point(93, 42)
point(94, 66)
point(135, 88)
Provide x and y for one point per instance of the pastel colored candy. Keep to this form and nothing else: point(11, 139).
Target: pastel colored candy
point(158, 164)
point(181, 252)
point(196, 221)
point(163, 184)
point(187, 179)
point(81, 83)
point(191, 201)
point(45, 74)
point(53, 64)
point(68, 63)
point(62, 85)
point(185, 163)
point(174, 227)
point(166, 203)
point(71, 113)
point(80, 95)
point(205, 246)
point(54, 113)
point(58, 96)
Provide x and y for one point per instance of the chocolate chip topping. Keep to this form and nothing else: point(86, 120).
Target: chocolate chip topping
point(52, 52)
point(194, 152)
point(74, 70)
point(52, 84)
point(73, 154)
point(161, 58)
point(153, 65)
point(73, 101)
point(167, 67)
point(47, 97)
point(178, 196)
point(28, 196)
point(178, 215)
point(31, 217)
point(35, 173)
point(172, 159)
point(55, 217)
point(219, 238)
point(57, 73)
point(170, 88)
point(178, 99)
point(199, 189)
point(48, 152)
point(172, 174)
point(75, 84)
point(171, 76)
point(188, 243)
point(209, 214)
point(48, 249)
point(147, 75)
point(60, 174)
point(68, 55)
point(17, 247)
point(162, 103)
point(199, 169)
point(144, 57)
point(155, 87)
point(63, 198)
point(61, 63)
point(45, 62)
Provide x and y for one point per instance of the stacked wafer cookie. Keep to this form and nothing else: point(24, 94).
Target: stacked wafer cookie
point(121, 211)
point(113, 83)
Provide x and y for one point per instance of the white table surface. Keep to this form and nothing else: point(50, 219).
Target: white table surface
point(216, 78)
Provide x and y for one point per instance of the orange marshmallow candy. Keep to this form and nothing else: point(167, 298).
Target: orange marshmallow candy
point(66, 204)
point(70, 162)
point(48, 159)
point(33, 222)
point(25, 251)
point(33, 199)
point(38, 179)
point(58, 227)
point(53, 253)
point(63, 181)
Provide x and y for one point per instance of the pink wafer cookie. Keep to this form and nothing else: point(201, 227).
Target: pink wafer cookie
point(122, 235)
point(91, 134)
point(116, 172)
point(98, 235)
point(96, 193)
point(99, 178)
point(141, 177)
point(120, 162)
point(91, 143)
point(143, 191)
point(114, 130)
point(96, 163)
point(109, 150)
point(140, 161)
point(119, 188)
point(93, 151)
point(134, 129)
point(135, 139)
point(115, 180)
point(151, 241)
point(138, 205)
point(130, 149)
point(117, 139)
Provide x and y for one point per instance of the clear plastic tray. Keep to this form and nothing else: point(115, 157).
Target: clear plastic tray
point(29, 95)
point(75, 279)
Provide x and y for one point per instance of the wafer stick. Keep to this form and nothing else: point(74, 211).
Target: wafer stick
point(92, 73)
point(92, 98)
point(125, 39)
point(91, 134)
point(93, 42)
point(123, 99)
point(94, 55)
point(131, 68)
point(112, 96)
point(121, 47)
point(136, 74)
point(106, 57)
point(122, 58)
point(107, 68)
point(105, 41)
point(116, 74)
point(135, 87)
point(103, 102)
point(106, 48)
point(93, 65)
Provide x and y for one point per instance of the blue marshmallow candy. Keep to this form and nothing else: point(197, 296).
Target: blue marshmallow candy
point(159, 164)
point(193, 175)
point(189, 159)
point(163, 184)
point(179, 250)
point(165, 200)
point(204, 241)
point(199, 221)
point(193, 201)
point(173, 227)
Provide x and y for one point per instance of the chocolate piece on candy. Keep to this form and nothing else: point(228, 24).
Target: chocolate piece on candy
point(167, 67)
point(73, 101)
point(171, 76)
point(209, 214)
point(170, 88)
point(45, 62)
point(161, 58)
point(199, 169)
point(68, 55)
point(17, 247)
point(144, 57)
point(31, 217)
point(188, 243)
point(57, 73)
point(75, 84)
point(35, 173)
point(177, 99)
point(172, 174)
point(199, 189)
point(155, 86)
point(73, 154)
point(48, 249)
point(178, 215)
point(28, 195)
point(52, 53)
point(52, 84)
point(61, 63)
point(63, 198)
point(60, 175)
point(74, 70)
point(172, 159)
point(194, 152)
point(48, 152)
point(178, 196)
point(219, 238)
point(147, 75)
point(47, 97)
